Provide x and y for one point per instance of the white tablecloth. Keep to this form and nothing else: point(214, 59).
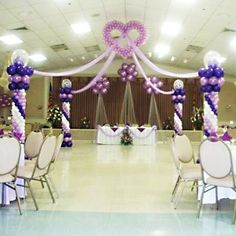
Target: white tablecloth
point(209, 197)
point(140, 135)
point(9, 194)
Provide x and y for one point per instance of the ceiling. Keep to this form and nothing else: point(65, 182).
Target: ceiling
point(47, 23)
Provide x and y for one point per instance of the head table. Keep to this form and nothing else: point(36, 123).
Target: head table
point(112, 135)
point(209, 197)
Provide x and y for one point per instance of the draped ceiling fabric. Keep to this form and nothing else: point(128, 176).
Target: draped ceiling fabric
point(84, 104)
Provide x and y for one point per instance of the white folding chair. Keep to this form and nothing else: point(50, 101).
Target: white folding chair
point(9, 161)
point(40, 169)
point(55, 156)
point(217, 169)
point(186, 172)
point(33, 144)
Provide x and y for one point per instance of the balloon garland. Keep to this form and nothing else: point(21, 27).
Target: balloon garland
point(128, 72)
point(101, 86)
point(178, 98)
point(66, 98)
point(19, 79)
point(5, 100)
point(156, 82)
point(211, 80)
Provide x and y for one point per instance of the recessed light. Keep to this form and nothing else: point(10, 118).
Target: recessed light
point(10, 39)
point(170, 28)
point(185, 61)
point(172, 58)
point(161, 50)
point(150, 54)
point(71, 59)
point(83, 57)
point(81, 27)
point(37, 57)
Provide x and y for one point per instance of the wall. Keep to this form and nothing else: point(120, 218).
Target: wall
point(37, 100)
point(227, 105)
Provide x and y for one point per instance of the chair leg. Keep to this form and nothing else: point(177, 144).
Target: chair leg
point(32, 194)
point(180, 195)
point(17, 199)
point(53, 185)
point(200, 206)
point(234, 213)
point(217, 203)
point(194, 182)
point(49, 188)
point(175, 189)
point(41, 181)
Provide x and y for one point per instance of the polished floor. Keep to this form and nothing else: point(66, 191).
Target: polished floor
point(115, 191)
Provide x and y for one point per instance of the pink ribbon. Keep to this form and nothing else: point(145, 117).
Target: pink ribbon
point(146, 78)
point(76, 70)
point(99, 75)
point(159, 70)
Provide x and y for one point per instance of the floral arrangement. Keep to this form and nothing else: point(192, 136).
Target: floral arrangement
point(85, 123)
point(54, 116)
point(197, 118)
point(126, 139)
point(168, 124)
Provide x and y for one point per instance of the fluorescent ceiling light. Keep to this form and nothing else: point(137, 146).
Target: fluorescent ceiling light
point(37, 57)
point(81, 27)
point(185, 2)
point(185, 61)
point(170, 28)
point(83, 58)
point(172, 58)
point(161, 50)
point(11, 39)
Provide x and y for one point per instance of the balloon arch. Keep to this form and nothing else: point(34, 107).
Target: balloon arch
point(211, 79)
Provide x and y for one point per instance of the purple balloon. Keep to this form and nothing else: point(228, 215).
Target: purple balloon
point(11, 70)
point(201, 72)
point(124, 66)
point(130, 77)
point(16, 78)
point(104, 90)
point(123, 73)
point(203, 81)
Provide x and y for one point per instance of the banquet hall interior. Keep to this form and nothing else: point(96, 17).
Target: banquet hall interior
point(117, 117)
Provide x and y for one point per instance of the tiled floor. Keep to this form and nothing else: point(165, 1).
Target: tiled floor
point(115, 190)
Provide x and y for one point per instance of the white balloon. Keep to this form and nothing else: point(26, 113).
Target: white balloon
point(66, 83)
point(212, 57)
point(178, 84)
point(20, 55)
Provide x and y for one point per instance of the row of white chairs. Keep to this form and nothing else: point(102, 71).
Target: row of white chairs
point(44, 153)
point(215, 168)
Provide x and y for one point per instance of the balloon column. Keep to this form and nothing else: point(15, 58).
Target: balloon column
point(178, 98)
point(156, 82)
point(128, 72)
point(19, 79)
point(66, 98)
point(211, 79)
point(101, 86)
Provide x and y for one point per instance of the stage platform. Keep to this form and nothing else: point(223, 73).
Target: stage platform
point(89, 135)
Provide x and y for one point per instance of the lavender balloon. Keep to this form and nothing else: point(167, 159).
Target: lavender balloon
point(101, 86)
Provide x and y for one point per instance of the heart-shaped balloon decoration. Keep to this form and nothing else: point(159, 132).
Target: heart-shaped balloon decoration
point(124, 30)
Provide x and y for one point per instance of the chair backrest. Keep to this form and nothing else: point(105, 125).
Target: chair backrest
point(58, 147)
point(173, 152)
point(215, 158)
point(33, 144)
point(9, 154)
point(184, 148)
point(46, 152)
